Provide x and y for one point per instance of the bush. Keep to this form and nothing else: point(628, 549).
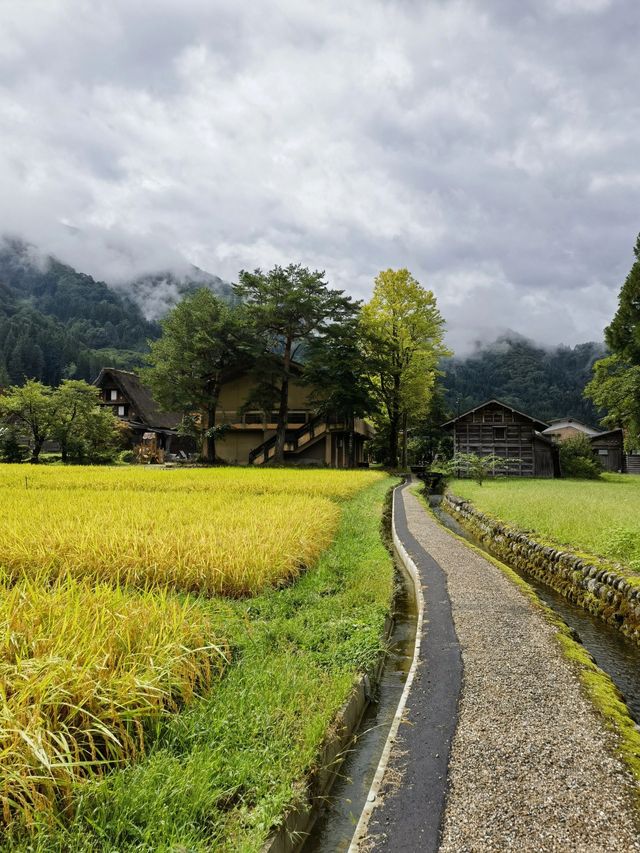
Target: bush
point(576, 459)
point(10, 448)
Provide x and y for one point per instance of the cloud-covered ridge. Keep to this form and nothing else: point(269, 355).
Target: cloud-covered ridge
point(490, 147)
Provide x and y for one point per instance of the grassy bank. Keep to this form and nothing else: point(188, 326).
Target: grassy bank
point(220, 774)
point(596, 517)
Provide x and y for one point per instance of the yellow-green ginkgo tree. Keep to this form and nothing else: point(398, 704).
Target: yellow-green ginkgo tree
point(402, 332)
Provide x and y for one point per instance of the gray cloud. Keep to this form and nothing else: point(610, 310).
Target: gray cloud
point(489, 146)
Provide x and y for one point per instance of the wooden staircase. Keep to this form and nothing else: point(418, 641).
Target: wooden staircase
point(295, 441)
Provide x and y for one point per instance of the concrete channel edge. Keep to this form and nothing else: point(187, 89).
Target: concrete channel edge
point(372, 798)
point(292, 833)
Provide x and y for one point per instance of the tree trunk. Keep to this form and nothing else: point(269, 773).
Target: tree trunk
point(64, 451)
point(394, 429)
point(209, 444)
point(283, 410)
point(404, 442)
point(35, 453)
point(394, 423)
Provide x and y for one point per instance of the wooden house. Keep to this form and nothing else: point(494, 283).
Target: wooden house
point(310, 440)
point(250, 438)
point(607, 446)
point(123, 393)
point(497, 429)
point(563, 428)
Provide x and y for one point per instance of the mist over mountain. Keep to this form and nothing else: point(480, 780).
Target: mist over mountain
point(544, 382)
point(57, 322)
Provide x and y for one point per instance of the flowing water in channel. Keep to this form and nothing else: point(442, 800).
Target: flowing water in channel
point(334, 829)
point(618, 656)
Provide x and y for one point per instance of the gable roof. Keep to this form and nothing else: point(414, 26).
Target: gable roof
point(564, 423)
point(539, 425)
point(618, 431)
point(141, 397)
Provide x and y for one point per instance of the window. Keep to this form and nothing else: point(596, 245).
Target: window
point(253, 418)
point(500, 432)
point(122, 411)
point(113, 395)
point(603, 451)
point(297, 417)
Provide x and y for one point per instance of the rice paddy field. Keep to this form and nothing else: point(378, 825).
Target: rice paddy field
point(174, 646)
point(600, 517)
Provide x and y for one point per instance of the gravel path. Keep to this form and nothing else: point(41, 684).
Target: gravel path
point(532, 766)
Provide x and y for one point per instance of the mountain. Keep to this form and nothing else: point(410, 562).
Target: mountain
point(546, 383)
point(156, 294)
point(56, 322)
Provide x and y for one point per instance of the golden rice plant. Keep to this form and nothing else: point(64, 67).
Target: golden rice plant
point(338, 485)
point(83, 673)
point(210, 543)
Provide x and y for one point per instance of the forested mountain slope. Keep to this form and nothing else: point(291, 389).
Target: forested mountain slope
point(56, 322)
point(546, 383)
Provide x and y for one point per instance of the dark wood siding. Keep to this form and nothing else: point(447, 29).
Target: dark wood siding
point(499, 431)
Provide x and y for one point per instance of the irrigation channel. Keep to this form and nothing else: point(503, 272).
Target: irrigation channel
point(333, 831)
point(618, 656)
point(612, 651)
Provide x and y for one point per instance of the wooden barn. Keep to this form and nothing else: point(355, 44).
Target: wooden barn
point(608, 449)
point(495, 428)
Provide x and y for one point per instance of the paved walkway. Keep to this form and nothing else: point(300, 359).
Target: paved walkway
point(532, 766)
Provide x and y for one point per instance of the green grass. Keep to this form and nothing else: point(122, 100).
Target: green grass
point(222, 773)
point(599, 517)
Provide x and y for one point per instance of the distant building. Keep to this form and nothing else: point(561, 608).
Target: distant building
point(250, 439)
point(496, 429)
point(562, 428)
point(608, 445)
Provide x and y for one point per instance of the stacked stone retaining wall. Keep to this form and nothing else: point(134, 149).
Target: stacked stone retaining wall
point(592, 585)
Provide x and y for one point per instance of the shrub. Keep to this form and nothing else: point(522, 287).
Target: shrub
point(576, 459)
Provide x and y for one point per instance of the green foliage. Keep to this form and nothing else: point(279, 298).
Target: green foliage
point(336, 373)
point(53, 320)
point(623, 543)
point(478, 468)
point(623, 333)
point(288, 308)
point(544, 383)
point(202, 339)
point(402, 331)
point(576, 459)
point(615, 385)
point(11, 448)
point(68, 414)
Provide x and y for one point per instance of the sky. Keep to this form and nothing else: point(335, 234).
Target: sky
point(489, 146)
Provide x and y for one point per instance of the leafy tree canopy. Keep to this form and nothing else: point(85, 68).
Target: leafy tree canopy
point(288, 307)
point(402, 331)
point(202, 338)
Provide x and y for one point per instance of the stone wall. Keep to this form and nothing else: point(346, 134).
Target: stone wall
point(591, 585)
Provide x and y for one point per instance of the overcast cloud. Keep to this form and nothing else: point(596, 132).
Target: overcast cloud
point(491, 146)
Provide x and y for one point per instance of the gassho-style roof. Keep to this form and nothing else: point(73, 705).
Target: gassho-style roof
point(141, 398)
point(567, 423)
point(539, 425)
